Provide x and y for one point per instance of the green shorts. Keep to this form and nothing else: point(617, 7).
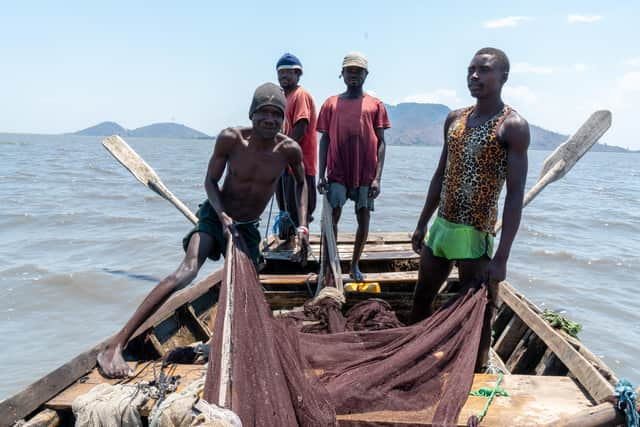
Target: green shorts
point(458, 241)
point(209, 222)
point(338, 195)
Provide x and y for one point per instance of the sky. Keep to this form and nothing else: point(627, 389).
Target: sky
point(69, 65)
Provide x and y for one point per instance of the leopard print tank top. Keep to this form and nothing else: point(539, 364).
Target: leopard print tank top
point(475, 172)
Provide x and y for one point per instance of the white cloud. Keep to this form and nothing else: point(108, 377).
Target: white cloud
point(438, 96)
point(634, 62)
point(509, 21)
point(630, 81)
point(580, 67)
point(519, 94)
point(525, 67)
point(584, 19)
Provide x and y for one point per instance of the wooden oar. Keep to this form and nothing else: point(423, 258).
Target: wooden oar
point(143, 172)
point(226, 359)
point(331, 248)
point(568, 153)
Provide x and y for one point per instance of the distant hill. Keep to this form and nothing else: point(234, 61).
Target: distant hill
point(422, 124)
point(156, 130)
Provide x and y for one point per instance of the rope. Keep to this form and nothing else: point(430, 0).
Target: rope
point(266, 229)
point(627, 402)
point(489, 393)
point(560, 322)
point(330, 292)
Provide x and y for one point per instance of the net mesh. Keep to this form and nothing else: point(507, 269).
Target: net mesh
point(283, 375)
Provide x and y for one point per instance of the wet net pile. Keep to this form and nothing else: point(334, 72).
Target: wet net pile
point(283, 375)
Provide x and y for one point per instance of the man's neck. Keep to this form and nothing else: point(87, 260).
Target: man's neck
point(486, 107)
point(353, 92)
point(290, 89)
point(258, 141)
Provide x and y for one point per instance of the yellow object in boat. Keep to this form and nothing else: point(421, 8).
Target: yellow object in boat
point(371, 287)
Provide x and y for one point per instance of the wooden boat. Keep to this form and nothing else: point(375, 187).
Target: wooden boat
point(551, 377)
point(548, 374)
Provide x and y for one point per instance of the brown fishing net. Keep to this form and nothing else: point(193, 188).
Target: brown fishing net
point(284, 377)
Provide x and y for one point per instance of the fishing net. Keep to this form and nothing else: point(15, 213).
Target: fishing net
point(281, 376)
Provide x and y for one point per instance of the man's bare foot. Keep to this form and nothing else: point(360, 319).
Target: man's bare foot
point(111, 362)
point(356, 274)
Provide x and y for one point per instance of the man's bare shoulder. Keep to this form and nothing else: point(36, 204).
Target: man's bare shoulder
point(229, 137)
point(515, 130)
point(288, 146)
point(453, 116)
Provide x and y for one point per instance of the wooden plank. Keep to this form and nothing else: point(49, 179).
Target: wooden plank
point(508, 340)
point(373, 237)
point(589, 377)
point(532, 401)
point(503, 317)
point(301, 279)
point(601, 415)
point(550, 365)
point(526, 361)
point(29, 399)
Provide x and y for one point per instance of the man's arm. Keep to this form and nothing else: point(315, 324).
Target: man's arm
point(435, 187)
point(217, 163)
point(294, 158)
point(514, 132)
point(322, 162)
point(299, 130)
point(374, 189)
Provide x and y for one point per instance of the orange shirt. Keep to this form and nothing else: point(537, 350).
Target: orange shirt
point(352, 157)
point(300, 106)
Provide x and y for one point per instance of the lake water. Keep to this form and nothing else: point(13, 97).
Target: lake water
point(82, 242)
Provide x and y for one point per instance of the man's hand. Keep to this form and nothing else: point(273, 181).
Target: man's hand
point(374, 189)
point(227, 225)
point(495, 273)
point(417, 240)
point(303, 239)
point(322, 186)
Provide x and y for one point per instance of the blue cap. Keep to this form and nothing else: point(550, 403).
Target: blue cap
point(288, 61)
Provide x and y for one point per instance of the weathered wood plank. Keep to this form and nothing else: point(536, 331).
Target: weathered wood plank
point(596, 416)
point(550, 365)
point(532, 401)
point(587, 375)
point(508, 340)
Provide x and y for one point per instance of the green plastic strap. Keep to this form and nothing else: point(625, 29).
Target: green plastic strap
point(489, 393)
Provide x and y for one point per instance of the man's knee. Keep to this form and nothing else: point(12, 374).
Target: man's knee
point(186, 272)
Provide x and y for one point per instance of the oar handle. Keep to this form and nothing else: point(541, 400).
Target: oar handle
point(552, 175)
point(226, 359)
point(164, 192)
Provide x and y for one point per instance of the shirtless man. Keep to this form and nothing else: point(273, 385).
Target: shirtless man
point(484, 146)
point(255, 158)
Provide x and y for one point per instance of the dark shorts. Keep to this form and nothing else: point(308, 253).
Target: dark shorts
point(338, 195)
point(209, 222)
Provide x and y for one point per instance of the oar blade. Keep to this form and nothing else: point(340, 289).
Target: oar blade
point(579, 143)
point(131, 160)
